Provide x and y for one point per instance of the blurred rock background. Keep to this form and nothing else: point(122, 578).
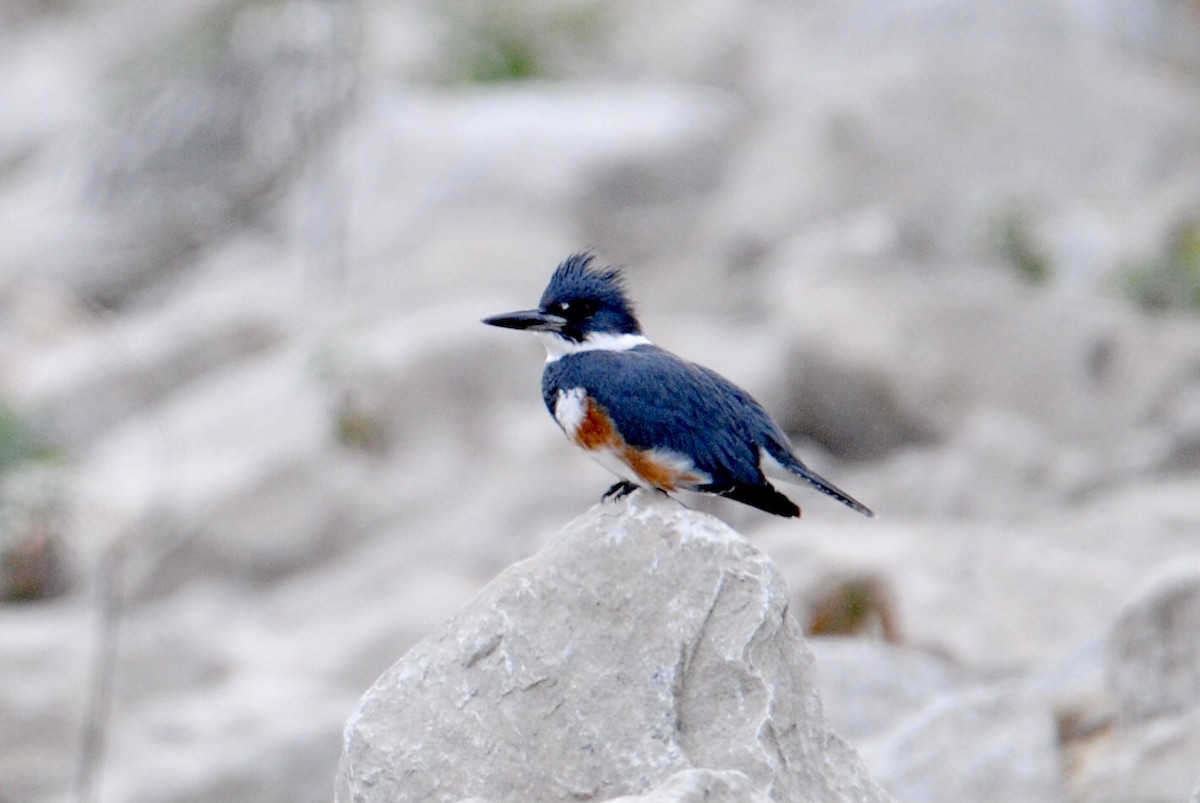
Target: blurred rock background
point(254, 442)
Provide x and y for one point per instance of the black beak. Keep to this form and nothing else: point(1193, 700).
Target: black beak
point(531, 319)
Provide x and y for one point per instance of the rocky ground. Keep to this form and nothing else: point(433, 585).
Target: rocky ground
point(646, 652)
point(254, 443)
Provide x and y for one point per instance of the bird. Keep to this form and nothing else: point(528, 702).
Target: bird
point(653, 419)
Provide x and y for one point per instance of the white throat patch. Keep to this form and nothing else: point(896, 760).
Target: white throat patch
point(558, 346)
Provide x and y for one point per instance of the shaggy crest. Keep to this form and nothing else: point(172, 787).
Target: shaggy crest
point(599, 289)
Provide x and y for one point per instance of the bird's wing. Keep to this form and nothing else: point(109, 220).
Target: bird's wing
point(767, 435)
point(657, 400)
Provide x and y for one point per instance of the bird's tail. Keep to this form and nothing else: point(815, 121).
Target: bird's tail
point(794, 469)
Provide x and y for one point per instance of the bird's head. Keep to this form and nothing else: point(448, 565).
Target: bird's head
point(583, 306)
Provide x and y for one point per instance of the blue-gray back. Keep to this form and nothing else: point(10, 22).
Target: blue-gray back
point(656, 399)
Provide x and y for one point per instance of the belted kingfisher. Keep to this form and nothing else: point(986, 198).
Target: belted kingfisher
point(648, 416)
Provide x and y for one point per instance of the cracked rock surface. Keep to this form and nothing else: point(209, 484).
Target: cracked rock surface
point(646, 651)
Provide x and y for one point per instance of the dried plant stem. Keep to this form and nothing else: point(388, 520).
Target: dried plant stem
point(98, 711)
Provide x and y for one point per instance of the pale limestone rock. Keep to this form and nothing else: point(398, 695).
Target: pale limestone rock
point(1152, 663)
point(995, 744)
point(1153, 657)
point(644, 641)
point(700, 786)
point(1154, 761)
point(869, 686)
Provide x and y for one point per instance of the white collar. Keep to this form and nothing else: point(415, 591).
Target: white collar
point(558, 346)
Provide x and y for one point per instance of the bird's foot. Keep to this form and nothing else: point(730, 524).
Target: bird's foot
point(619, 490)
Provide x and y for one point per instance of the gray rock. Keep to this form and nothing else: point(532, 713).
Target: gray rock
point(700, 786)
point(1150, 763)
point(1154, 648)
point(205, 153)
point(990, 745)
point(1165, 31)
point(869, 686)
point(643, 641)
point(143, 359)
point(589, 158)
point(848, 132)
